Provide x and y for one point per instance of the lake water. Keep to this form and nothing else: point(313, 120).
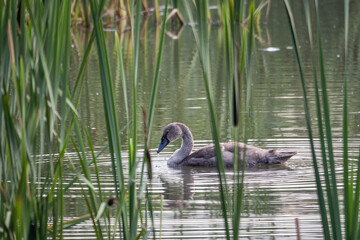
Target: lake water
point(274, 195)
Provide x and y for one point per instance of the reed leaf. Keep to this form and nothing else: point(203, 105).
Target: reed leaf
point(155, 84)
point(33, 113)
point(334, 211)
point(246, 47)
point(347, 188)
point(122, 74)
point(351, 188)
point(136, 40)
point(133, 207)
point(320, 123)
point(108, 96)
point(321, 200)
point(202, 40)
point(355, 226)
point(148, 123)
point(231, 63)
point(110, 112)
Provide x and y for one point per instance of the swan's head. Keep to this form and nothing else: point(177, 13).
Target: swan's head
point(170, 133)
point(277, 157)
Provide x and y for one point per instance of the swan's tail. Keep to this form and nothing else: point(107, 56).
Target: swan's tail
point(276, 157)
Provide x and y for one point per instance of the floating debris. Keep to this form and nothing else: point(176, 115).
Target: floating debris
point(271, 49)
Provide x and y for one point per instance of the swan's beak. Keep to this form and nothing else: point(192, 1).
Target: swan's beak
point(163, 144)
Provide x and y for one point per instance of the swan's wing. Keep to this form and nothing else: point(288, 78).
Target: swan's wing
point(206, 156)
point(204, 152)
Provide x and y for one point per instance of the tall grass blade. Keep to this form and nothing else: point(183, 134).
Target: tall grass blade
point(347, 188)
point(355, 231)
point(87, 177)
point(246, 47)
point(35, 93)
point(122, 74)
point(351, 188)
point(335, 212)
point(148, 125)
point(136, 40)
point(133, 147)
point(110, 112)
point(45, 67)
point(321, 200)
point(202, 40)
point(320, 118)
point(157, 71)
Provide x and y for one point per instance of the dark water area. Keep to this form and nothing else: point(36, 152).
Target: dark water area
point(274, 195)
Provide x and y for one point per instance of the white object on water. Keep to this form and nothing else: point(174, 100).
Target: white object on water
point(271, 49)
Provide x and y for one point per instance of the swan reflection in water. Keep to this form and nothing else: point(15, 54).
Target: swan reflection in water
point(181, 185)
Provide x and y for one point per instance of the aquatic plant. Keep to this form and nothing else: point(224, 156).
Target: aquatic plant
point(127, 196)
point(35, 110)
point(238, 49)
point(39, 120)
point(330, 205)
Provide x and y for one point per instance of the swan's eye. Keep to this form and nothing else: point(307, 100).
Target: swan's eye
point(165, 134)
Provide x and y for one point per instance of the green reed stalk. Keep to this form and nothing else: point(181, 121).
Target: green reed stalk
point(148, 126)
point(32, 86)
point(351, 188)
point(33, 209)
point(308, 119)
point(133, 146)
point(92, 202)
point(122, 75)
point(233, 87)
point(354, 228)
point(135, 208)
point(320, 127)
point(235, 71)
point(75, 96)
point(231, 60)
point(245, 74)
point(93, 205)
point(335, 212)
point(135, 38)
point(202, 39)
point(64, 41)
point(347, 187)
point(124, 86)
point(155, 84)
point(110, 113)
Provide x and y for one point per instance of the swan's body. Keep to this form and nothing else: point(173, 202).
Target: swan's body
point(206, 156)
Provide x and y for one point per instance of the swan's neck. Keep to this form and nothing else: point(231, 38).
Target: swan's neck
point(184, 150)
